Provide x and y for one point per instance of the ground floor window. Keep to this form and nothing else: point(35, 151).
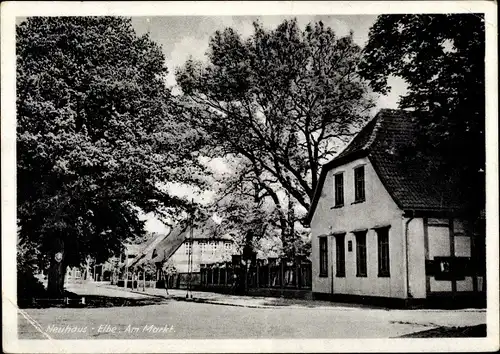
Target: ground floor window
point(360, 253)
point(383, 252)
point(340, 255)
point(323, 257)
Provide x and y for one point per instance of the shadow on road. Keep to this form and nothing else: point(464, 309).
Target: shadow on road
point(91, 301)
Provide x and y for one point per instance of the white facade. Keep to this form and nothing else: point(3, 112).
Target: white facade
point(377, 210)
point(426, 238)
point(204, 251)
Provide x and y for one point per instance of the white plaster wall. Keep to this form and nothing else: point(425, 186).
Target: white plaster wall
point(416, 257)
point(463, 249)
point(440, 285)
point(462, 246)
point(480, 284)
point(321, 284)
point(439, 246)
point(180, 258)
point(465, 285)
point(439, 241)
point(377, 210)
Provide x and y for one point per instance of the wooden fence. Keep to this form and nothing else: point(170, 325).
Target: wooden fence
point(271, 273)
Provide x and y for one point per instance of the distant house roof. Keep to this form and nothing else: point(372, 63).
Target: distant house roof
point(146, 249)
point(131, 248)
point(381, 140)
point(168, 244)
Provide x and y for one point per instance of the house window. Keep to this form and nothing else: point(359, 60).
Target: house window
point(227, 246)
point(359, 184)
point(340, 254)
point(360, 253)
point(188, 247)
point(339, 189)
point(203, 246)
point(383, 252)
point(323, 257)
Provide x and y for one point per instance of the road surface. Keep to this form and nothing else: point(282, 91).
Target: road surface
point(171, 319)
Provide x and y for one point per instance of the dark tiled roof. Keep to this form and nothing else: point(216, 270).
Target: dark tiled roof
point(382, 141)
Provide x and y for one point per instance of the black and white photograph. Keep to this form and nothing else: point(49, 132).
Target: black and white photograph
point(249, 176)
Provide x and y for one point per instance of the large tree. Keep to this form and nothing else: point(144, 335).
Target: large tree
point(242, 203)
point(441, 58)
point(282, 100)
point(95, 137)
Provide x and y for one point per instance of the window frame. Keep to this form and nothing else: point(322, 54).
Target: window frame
point(340, 266)
point(188, 246)
point(338, 202)
point(359, 184)
point(361, 256)
point(323, 256)
point(383, 249)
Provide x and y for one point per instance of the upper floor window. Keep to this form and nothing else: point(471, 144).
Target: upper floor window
point(339, 189)
point(227, 246)
point(323, 257)
point(188, 247)
point(203, 246)
point(359, 184)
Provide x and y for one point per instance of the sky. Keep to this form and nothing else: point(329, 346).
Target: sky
point(183, 36)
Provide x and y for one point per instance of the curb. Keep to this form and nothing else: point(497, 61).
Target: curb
point(197, 300)
point(210, 301)
point(225, 303)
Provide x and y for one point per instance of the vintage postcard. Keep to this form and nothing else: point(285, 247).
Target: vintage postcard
point(288, 176)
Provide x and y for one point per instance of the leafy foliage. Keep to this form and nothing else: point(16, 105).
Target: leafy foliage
point(96, 134)
point(441, 57)
point(169, 267)
point(251, 217)
point(28, 286)
point(281, 100)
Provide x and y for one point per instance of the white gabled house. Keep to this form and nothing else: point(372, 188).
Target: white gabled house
point(387, 234)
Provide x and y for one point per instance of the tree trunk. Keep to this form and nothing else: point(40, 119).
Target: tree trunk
point(57, 271)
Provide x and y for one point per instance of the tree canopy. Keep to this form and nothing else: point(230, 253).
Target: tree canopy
point(441, 58)
point(281, 100)
point(96, 134)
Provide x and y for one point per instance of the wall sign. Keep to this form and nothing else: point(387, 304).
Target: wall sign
point(58, 257)
point(448, 268)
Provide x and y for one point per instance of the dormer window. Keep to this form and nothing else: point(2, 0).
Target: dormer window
point(359, 184)
point(339, 189)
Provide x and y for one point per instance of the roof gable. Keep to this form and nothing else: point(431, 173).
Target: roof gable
point(382, 141)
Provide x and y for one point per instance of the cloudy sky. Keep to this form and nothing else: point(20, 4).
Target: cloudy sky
point(184, 36)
